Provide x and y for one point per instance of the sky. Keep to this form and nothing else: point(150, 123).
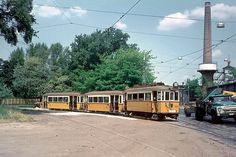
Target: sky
point(170, 29)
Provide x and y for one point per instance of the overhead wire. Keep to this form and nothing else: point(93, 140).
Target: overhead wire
point(208, 51)
point(133, 14)
point(123, 15)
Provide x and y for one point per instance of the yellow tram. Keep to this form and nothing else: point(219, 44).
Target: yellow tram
point(64, 101)
point(153, 101)
point(105, 101)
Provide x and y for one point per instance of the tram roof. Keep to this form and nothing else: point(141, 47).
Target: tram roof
point(63, 94)
point(149, 88)
point(111, 92)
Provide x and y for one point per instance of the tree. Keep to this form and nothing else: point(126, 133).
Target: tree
point(39, 50)
point(6, 74)
point(88, 50)
point(31, 79)
point(16, 18)
point(5, 92)
point(116, 72)
point(195, 91)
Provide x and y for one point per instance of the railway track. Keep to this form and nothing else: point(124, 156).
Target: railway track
point(224, 132)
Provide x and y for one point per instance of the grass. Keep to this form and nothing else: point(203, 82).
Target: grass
point(12, 114)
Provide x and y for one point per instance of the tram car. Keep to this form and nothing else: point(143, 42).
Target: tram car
point(157, 102)
point(105, 101)
point(153, 101)
point(63, 101)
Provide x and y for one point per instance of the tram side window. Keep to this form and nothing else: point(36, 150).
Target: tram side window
point(171, 95)
point(59, 99)
point(167, 95)
point(100, 99)
point(78, 99)
point(147, 96)
point(55, 99)
point(50, 99)
point(141, 96)
point(129, 96)
point(90, 99)
point(135, 96)
point(82, 99)
point(106, 99)
point(176, 95)
point(65, 99)
point(158, 95)
point(95, 99)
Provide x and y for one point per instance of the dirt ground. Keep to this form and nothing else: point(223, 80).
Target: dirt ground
point(74, 134)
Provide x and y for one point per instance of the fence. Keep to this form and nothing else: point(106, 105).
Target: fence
point(17, 101)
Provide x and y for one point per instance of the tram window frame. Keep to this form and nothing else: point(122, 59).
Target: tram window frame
point(172, 95)
point(162, 95)
point(141, 96)
point(120, 99)
point(55, 99)
point(159, 95)
point(49, 99)
point(148, 96)
point(106, 99)
point(135, 96)
point(100, 99)
point(176, 96)
point(129, 97)
point(167, 95)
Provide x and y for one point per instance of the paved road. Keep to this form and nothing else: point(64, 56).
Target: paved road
point(224, 131)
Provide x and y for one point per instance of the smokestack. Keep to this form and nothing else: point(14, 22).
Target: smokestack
point(207, 69)
point(207, 52)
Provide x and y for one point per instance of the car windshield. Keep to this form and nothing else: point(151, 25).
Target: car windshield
point(223, 98)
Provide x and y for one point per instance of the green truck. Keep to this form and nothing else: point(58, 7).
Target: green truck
point(219, 106)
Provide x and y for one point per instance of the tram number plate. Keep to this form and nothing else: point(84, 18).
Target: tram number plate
point(172, 111)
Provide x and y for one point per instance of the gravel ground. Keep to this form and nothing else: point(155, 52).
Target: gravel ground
point(73, 134)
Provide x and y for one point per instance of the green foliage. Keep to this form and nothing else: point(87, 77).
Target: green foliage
point(122, 69)
point(5, 92)
point(195, 91)
point(87, 50)
point(17, 57)
point(39, 50)
point(31, 79)
point(16, 17)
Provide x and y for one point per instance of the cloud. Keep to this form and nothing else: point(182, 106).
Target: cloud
point(46, 11)
point(78, 11)
point(175, 21)
point(50, 11)
point(120, 25)
point(219, 12)
point(216, 54)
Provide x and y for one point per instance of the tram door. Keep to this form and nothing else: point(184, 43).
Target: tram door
point(114, 103)
point(71, 103)
point(154, 98)
point(75, 102)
